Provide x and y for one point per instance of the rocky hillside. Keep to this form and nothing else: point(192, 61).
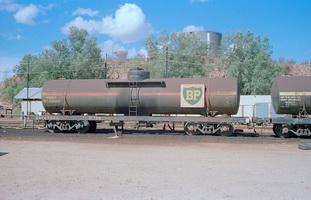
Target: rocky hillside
point(118, 68)
point(297, 70)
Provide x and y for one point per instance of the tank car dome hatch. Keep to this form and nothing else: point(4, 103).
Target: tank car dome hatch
point(138, 75)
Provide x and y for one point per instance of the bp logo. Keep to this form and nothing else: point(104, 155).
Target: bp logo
point(192, 95)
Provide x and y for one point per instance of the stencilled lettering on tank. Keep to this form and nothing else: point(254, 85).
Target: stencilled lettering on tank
point(290, 101)
point(51, 99)
point(230, 101)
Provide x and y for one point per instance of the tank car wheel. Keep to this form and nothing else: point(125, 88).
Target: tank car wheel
point(51, 128)
point(225, 129)
point(191, 128)
point(281, 130)
point(84, 126)
point(93, 126)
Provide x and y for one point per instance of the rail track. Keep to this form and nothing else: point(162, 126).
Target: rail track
point(14, 129)
point(145, 136)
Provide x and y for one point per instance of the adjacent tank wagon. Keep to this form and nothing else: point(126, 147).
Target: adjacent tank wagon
point(291, 95)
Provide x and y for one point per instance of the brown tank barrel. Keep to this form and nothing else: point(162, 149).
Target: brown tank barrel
point(291, 94)
point(154, 96)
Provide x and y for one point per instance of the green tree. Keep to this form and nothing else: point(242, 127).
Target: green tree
point(182, 53)
point(75, 57)
point(12, 86)
point(248, 58)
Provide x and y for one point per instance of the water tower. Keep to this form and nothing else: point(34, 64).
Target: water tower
point(211, 38)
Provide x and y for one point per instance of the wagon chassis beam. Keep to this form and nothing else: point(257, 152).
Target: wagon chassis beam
point(166, 119)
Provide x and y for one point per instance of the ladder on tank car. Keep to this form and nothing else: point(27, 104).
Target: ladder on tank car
point(133, 98)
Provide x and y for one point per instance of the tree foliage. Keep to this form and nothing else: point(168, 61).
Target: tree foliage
point(248, 58)
point(182, 53)
point(75, 57)
point(12, 86)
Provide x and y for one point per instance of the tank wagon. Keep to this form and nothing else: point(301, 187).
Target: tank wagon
point(203, 105)
point(291, 95)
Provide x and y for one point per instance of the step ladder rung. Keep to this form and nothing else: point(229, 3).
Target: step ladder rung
point(133, 99)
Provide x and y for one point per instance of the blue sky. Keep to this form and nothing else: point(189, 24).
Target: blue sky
point(29, 26)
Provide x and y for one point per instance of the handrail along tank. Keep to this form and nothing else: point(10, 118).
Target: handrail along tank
point(155, 96)
point(291, 94)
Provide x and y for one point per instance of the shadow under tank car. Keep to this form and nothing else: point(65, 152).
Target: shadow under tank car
point(78, 102)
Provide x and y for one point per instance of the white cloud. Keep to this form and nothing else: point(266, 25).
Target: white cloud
point(9, 6)
point(48, 7)
point(88, 11)
point(193, 28)
point(17, 37)
point(110, 46)
point(25, 15)
point(89, 25)
point(133, 52)
point(128, 25)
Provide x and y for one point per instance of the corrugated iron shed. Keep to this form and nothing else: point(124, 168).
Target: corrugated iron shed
point(33, 93)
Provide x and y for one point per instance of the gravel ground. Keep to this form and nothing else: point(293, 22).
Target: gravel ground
point(151, 165)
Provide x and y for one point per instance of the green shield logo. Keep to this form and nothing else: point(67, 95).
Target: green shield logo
point(192, 95)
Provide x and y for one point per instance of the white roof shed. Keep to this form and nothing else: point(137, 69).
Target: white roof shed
point(33, 93)
point(256, 106)
point(34, 100)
